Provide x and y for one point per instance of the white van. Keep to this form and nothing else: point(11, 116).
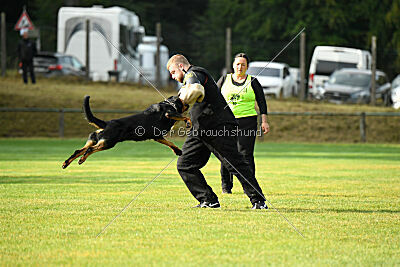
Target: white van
point(275, 78)
point(147, 61)
point(119, 25)
point(327, 59)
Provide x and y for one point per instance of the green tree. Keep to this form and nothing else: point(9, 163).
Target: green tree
point(262, 28)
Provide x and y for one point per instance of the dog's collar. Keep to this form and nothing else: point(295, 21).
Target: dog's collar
point(172, 104)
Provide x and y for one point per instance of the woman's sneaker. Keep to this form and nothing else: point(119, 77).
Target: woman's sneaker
point(259, 205)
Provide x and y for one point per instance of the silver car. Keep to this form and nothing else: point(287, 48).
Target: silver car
point(354, 86)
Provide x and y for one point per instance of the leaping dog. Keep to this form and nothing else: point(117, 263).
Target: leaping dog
point(152, 123)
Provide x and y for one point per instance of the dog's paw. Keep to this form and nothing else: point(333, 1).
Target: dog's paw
point(188, 124)
point(65, 165)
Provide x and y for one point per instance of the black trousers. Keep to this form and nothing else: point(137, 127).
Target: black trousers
point(27, 66)
point(196, 152)
point(245, 142)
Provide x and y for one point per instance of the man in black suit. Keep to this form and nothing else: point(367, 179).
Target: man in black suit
point(26, 51)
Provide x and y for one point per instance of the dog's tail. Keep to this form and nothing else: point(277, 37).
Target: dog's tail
point(89, 115)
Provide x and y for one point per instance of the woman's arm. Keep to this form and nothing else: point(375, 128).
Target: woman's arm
point(262, 104)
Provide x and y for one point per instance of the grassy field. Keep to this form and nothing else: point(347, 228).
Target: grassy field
point(61, 93)
point(343, 198)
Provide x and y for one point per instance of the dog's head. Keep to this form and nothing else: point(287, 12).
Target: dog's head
point(178, 104)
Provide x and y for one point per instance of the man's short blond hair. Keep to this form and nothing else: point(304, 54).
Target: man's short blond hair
point(177, 59)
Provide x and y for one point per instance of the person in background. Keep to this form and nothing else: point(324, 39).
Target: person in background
point(241, 92)
point(26, 51)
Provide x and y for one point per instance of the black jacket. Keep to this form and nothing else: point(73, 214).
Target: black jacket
point(26, 50)
point(213, 111)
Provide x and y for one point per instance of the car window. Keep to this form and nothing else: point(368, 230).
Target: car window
point(381, 80)
point(44, 60)
point(327, 67)
point(285, 72)
point(65, 60)
point(76, 63)
point(350, 79)
point(263, 71)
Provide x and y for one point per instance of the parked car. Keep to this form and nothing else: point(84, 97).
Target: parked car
point(326, 59)
point(57, 64)
point(275, 79)
point(354, 86)
point(396, 92)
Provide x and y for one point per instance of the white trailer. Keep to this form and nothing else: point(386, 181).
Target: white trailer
point(119, 25)
point(148, 52)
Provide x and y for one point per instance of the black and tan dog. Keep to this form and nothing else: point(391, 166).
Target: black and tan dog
point(153, 123)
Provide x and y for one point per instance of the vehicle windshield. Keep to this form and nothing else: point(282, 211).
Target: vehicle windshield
point(263, 72)
point(327, 67)
point(350, 79)
point(44, 60)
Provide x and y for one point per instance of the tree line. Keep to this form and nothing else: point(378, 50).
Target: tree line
point(261, 28)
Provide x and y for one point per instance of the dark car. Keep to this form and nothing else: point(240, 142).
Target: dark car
point(354, 86)
point(57, 64)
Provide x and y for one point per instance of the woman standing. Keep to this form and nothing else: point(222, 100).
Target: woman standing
point(241, 92)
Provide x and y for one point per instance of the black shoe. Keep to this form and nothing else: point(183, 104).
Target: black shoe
point(206, 204)
point(226, 191)
point(259, 205)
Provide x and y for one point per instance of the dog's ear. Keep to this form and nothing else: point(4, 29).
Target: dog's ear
point(152, 109)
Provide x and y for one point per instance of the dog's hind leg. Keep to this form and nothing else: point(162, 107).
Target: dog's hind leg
point(96, 148)
point(78, 153)
point(176, 149)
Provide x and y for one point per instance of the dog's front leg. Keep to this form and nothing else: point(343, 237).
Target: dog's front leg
point(179, 117)
point(78, 153)
point(98, 147)
point(164, 141)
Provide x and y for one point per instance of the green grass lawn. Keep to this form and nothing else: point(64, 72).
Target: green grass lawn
point(343, 198)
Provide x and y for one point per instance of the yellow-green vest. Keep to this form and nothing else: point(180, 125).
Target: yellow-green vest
point(241, 100)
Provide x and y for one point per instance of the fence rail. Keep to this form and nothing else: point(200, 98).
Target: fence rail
point(62, 111)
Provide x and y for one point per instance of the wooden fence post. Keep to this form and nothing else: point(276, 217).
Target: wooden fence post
point(87, 48)
point(61, 123)
point(3, 44)
point(363, 127)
